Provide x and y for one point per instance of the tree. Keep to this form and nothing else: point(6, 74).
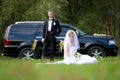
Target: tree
point(88, 15)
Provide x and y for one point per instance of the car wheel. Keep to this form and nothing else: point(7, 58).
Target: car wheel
point(97, 52)
point(27, 54)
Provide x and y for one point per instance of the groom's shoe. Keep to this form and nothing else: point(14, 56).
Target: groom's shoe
point(51, 58)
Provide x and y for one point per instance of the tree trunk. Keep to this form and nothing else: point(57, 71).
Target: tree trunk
point(69, 11)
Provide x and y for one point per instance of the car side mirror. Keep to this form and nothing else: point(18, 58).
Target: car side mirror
point(78, 33)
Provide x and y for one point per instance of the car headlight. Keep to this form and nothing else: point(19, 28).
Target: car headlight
point(111, 42)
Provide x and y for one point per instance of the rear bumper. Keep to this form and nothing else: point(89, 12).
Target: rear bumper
point(10, 51)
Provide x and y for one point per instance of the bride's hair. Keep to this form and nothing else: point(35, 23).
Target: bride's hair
point(70, 33)
point(71, 38)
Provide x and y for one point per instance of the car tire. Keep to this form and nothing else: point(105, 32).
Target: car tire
point(27, 54)
point(114, 54)
point(97, 52)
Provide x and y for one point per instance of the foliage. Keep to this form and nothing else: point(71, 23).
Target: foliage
point(39, 10)
point(92, 16)
point(90, 24)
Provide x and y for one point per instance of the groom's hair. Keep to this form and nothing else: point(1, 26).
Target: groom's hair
point(50, 10)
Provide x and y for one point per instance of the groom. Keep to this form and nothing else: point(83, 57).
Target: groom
point(50, 31)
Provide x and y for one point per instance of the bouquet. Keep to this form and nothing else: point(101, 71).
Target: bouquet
point(77, 56)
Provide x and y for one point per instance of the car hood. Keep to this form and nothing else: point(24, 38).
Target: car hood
point(98, 37)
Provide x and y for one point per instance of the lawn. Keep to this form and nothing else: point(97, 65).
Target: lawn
point(16, 69)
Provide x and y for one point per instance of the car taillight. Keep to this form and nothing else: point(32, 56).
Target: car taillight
point(6, 42)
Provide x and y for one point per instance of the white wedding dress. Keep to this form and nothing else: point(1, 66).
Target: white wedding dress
point(74, 59)
point(80, 59)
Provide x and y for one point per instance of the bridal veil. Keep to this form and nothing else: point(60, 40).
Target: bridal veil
point(67, 40)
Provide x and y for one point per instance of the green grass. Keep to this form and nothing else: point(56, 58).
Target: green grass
point(16, 69)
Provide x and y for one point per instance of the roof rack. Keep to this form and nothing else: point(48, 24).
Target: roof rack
point(23, 22)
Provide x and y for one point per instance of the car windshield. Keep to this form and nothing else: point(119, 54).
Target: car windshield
point(79, 31)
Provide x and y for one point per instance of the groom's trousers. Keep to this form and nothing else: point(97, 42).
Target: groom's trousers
point(49, 45)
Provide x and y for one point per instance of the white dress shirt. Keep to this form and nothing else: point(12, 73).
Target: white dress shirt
point(49, 25)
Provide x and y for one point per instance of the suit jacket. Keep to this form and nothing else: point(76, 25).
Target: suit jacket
point(55, 28)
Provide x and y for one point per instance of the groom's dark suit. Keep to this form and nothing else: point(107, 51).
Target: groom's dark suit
point(50, 37)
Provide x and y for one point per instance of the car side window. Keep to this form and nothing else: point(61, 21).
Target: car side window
point(23, 32)
point(40, 30)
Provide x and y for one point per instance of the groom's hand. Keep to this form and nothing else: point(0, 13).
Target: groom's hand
point(43, 40)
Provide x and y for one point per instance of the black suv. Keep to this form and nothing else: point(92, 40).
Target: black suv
point(20, 36)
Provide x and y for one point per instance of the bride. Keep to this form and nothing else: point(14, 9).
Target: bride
point(71, 56)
